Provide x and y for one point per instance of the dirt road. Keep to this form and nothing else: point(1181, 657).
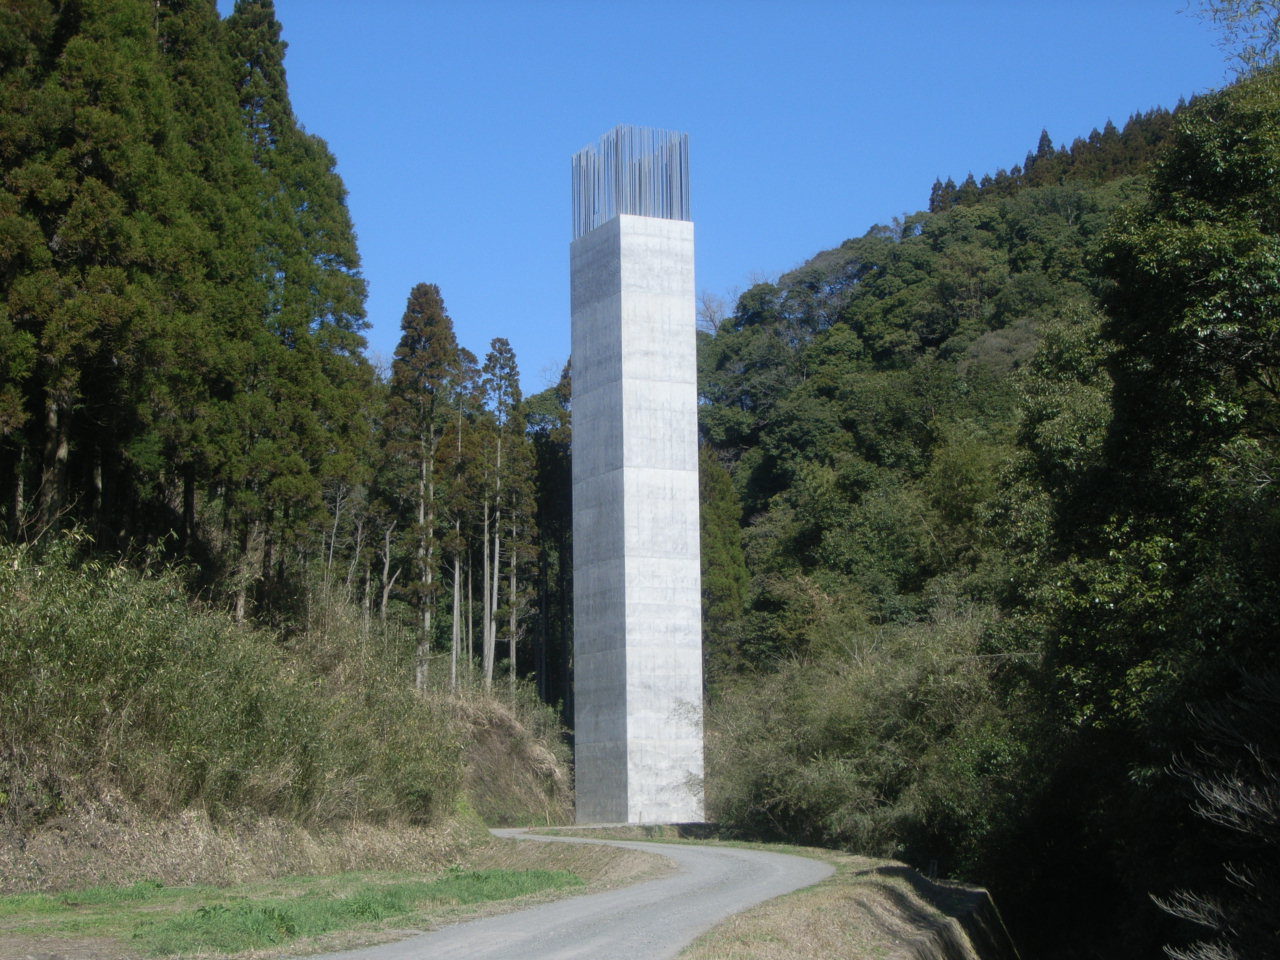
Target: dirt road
point(654, 920)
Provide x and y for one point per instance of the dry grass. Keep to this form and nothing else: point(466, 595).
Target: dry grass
point(116, 684)
point(115, 843)
point(872, 910)
point(513, 776)
point(600, 866)
point(16, 947)
point(665, 832)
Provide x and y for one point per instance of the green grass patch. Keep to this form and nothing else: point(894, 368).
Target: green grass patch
point(33, 903)
point(162, 920)
point(53, 903)
point(241, 924)
point(142, 890)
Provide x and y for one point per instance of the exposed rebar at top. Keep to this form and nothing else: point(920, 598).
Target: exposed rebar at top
point(637, 170)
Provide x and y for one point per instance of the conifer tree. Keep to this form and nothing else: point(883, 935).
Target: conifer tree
point(550, 430)
point(968, 192)
point(88, 191)
point(501, 381)
point(461, 465)
point(25, 29)
point(1038, 164)
point(209, 303)
point(424, 380)
point(305, 376)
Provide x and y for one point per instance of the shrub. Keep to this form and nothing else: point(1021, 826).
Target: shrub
point(113, 682)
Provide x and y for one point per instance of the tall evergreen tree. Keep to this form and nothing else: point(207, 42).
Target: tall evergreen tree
point(25, 34)
point(549, 423)
point(304, 375)
point(89, 201)
point(425, 377)
point(210, 316)
point(511, 499)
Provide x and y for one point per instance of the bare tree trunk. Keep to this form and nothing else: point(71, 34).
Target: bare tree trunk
point(365, 605)
point(424, 603)
point(388, 578)
point(511, 604)
point(420, 674)
point(188, 504)
point(455, 634)
point(248, 535)
point(455, 638)
point(493, 586)
point(471, 627)
point(98, 507)
point(53, 480)
point(333, 537)
point(357, 549)
point(426, 551)
point(487, 613)
point(268, 555)
point(17, 521)
point(491, 578)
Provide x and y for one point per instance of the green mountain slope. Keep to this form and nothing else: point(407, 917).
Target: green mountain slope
point(1007, 530)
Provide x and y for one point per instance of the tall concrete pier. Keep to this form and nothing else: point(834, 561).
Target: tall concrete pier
point(636, 577)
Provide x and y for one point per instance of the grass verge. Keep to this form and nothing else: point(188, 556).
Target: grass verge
point(871, 908)
point(150, 919)
point(296, 915)
point(234, 926)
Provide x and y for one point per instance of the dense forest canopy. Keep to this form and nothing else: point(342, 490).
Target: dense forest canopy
point(181, 320)
point(1009, 538)
point(990, 523)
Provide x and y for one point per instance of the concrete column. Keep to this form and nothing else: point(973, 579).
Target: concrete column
point(637, 605)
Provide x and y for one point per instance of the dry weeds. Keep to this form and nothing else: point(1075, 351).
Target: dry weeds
point(112, 843)
point(872, 910)
point(664, 832)
point(19, 947)
point(600, 866)
point(513, 776)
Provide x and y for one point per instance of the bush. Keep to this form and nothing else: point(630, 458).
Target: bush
point(893, 744)
point(113, 683)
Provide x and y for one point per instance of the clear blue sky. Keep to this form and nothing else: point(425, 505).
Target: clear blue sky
point(809, 121)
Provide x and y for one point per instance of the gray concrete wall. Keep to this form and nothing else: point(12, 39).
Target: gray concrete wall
point(637, 607)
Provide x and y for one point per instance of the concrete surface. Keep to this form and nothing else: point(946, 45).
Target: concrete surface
point(637, 603)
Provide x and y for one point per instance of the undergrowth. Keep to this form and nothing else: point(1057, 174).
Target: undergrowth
point(114, 683)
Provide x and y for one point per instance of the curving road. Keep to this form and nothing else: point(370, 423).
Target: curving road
point(653, 920)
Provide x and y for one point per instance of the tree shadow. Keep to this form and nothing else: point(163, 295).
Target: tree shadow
point(969, 927)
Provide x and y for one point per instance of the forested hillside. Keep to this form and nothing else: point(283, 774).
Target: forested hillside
point(322, 552)
point(181, 317)
point(1002, 596)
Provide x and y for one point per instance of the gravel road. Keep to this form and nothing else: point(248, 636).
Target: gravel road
point(654, 920)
